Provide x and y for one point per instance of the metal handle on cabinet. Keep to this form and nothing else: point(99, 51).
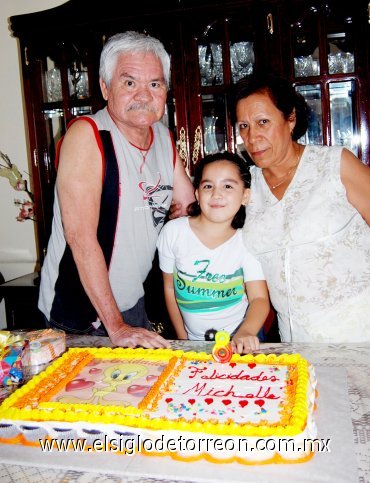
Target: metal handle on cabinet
point(270, 23)
point(181, 147)
point(35, 158)
point(197, 141)
point(368, 12)
point(26, 61)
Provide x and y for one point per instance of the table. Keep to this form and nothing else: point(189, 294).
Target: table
point(354, 359)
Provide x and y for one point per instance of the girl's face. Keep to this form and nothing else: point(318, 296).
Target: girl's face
point(221, 192)
point(265, 132)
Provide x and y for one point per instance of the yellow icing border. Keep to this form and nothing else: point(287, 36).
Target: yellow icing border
point(32, 401)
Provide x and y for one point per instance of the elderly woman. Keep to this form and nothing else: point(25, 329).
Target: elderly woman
point(308, 218)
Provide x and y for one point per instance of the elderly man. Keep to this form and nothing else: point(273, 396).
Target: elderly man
point(118, 173)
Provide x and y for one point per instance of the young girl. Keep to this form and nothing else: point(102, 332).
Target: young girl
point(210, 280)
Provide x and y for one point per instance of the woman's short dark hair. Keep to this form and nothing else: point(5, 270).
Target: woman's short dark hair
point(194, 208)
point(282, 94)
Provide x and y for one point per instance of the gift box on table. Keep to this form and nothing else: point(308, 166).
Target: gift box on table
point(44, 346)
point(12, 347)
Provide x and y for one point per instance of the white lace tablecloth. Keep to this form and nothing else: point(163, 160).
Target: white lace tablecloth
point(353, 359)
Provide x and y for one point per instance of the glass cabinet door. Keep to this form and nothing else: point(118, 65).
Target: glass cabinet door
point(224, 47)
point(343, 115)
point(325, 71)
point(305, 43)
point(66, 88)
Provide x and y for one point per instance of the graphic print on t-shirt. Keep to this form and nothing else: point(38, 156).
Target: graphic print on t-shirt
point(205, 291)
point(157, 198)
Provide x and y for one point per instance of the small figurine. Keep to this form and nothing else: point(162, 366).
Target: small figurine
point(222, 351)
point(15, 376)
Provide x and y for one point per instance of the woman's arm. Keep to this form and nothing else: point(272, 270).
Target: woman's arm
point(245, 339)
point(355, 177)
point(172, 307)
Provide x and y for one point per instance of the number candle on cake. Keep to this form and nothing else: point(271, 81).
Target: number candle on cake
point(222, 351)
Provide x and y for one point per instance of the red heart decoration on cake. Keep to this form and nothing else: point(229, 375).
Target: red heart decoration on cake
point(259, 402)
point(77, 384)
point(151, 377)
point(252, 365)
point(226, 402)
point(209, 400)
point(232, 364)
point(243, 403)
point(95, 370)
point(138, 390)
point(191, 401)
point(168, 400)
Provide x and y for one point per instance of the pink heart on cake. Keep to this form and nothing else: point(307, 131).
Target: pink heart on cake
point(151, 377)
point(95, 370)
point(232, 364)
point(138, 390)
point(209, 400)
point(168, 400)
point(191, 401)
point(226, 402)
point(252, 365)
point(259, 402)
point(78, 384)
point(243, 403)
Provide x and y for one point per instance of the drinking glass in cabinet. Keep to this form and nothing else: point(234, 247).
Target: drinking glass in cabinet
point(210, 142)
point(78, 83)
point(341, 63)
point(343, 115)
point(211, 64)
point(242, 60)
point(306, 66)
point(53, 85)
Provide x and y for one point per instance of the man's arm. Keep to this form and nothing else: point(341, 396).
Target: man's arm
point(183, 191)
point(79, 185)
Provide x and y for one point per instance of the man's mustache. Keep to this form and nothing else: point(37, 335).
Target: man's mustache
point(138, 106)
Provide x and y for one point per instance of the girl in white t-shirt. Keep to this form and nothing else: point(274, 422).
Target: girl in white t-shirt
point(210, 280)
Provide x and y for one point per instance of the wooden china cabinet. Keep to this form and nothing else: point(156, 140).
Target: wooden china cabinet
point(321, 46)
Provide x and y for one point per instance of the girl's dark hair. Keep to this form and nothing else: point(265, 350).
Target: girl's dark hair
point(194, 208)
point(282, 94)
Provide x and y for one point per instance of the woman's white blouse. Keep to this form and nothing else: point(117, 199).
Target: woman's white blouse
point(314, 248)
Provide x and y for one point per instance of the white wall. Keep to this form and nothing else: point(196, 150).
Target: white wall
point(17, 240)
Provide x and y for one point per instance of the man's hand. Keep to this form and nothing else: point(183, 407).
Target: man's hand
point(175, 210)
point(132, 337)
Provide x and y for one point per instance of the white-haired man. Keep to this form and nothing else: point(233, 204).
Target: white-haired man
point(118, 172)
